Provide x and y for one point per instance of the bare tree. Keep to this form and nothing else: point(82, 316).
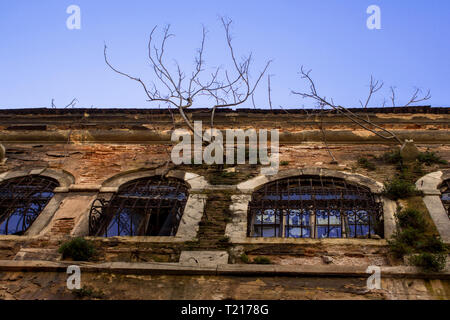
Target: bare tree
point(366, 124)
point(226, 88)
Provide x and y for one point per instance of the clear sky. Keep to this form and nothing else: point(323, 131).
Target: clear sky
point(41, 59)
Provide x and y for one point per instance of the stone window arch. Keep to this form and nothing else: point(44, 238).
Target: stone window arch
point(310, 203)
point(22, 199)
point(28, 199)
point(150, 204)
point(445, 195)
point(435, 189)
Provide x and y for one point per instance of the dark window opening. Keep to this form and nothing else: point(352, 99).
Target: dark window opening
point(445, 196)
point(144, 207)
point(22, 200)
point(314, 207)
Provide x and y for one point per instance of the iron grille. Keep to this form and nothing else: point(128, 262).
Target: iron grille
point(22, 200)
point(445, 196)
point(143, 207)
point(314, 207)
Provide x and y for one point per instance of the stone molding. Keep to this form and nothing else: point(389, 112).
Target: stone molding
point(155, 268)
point(64, 178)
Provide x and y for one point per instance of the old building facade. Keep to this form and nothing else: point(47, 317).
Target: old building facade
point(197, 231)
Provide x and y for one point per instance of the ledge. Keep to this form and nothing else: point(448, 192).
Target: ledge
point(219, 270)
point(300, 241)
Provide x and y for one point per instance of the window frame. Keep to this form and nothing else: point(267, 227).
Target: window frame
point(236, 230)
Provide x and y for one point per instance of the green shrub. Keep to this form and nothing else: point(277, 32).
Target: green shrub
point(77, 249)
point(411, 218)
point(88, 292)
point(365, 163)
point(432, 244)
point(392, 157)
point(262, 260)
point(245, 258)
point(224, 239)
point(429, 262)
point(399, 188)
point(430, 252)
point(409, 236)
point(430, 157)
point(399, 248)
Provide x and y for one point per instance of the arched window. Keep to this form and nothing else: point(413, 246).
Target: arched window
point(22, 200)
point(445, 195)
point(143, 207)
point(314, 207)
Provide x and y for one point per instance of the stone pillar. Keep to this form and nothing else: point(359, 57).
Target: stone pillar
point(2, 154)
point(409, 151)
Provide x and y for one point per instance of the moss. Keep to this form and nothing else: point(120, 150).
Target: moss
point(284, 163)
point(262, 260)
point(366, 163)
point(77, 249)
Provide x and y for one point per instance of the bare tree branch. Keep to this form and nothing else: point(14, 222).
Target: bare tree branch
point(374, 86)
point(269, 90)
point(71, 103)
point(322, 101)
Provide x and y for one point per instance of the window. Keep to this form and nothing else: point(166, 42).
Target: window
point(143, 207)
point(22, 200)
point(445, 196)
point(314, 207)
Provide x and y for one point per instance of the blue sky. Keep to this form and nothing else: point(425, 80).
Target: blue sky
point(41, 59)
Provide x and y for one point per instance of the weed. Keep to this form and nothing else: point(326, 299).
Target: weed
point(245, 258)
point(393, 157)
point(411, 218)
point(365, 163)
point(224, 239)
point(429, 262)
point(399, 189)
point(77, 249)
point(262, 260)
point(88, 292)
point(430, 158)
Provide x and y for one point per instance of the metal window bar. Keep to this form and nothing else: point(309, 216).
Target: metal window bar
point(314, 207)
point(143, 207)
point(445, 196)
point(22, 199)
